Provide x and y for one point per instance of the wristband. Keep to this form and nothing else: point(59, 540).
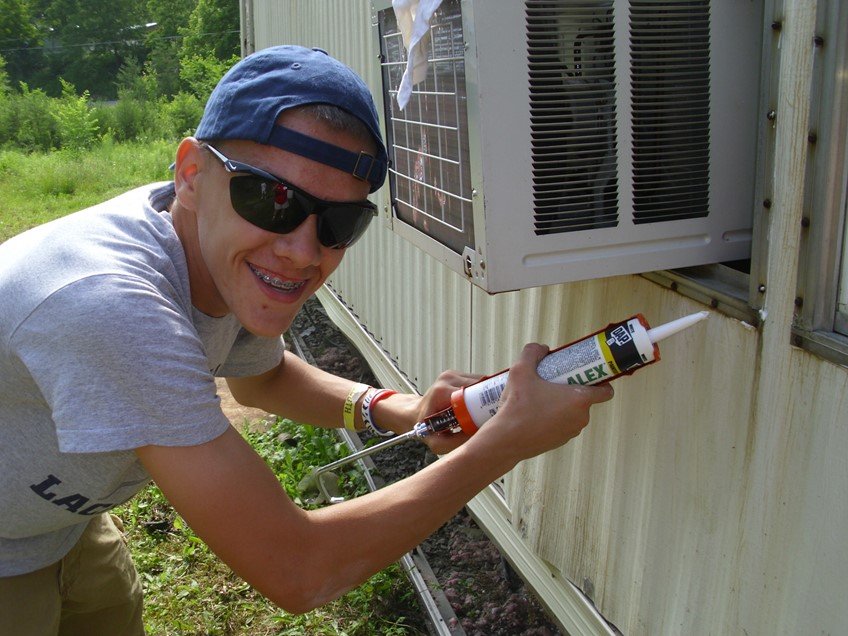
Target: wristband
point(356, 392)
point(368, 403)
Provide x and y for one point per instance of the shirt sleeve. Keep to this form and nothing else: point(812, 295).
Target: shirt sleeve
point(252, 355)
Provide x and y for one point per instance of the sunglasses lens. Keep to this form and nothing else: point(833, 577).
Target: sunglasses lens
point(262, 202)
point(273, 207)
point(341, 226)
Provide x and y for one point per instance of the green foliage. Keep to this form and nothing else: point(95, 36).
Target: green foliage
point(20, 39)
point(129, 119)
point(201, 74)
point(89, 43)
point(76, 124)
point(181, 115)
point(293, 451)
point(164, 42)
point(189, 591)
point(38, 187)
point(213, 30)
point(28, 122)
point(137, 81)
point(5, 86)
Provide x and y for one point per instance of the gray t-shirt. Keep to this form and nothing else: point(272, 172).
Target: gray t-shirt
point(101, 352)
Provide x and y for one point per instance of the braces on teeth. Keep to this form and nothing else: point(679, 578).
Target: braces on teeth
point(276, 282)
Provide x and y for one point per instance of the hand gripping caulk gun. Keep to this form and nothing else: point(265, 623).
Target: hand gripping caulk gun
point(619, 349)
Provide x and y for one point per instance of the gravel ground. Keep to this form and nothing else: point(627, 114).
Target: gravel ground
point(486, 596)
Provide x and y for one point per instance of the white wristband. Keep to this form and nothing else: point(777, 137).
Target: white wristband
point(368, 403)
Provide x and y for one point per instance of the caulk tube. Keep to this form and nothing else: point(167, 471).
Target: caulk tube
point(619, 349)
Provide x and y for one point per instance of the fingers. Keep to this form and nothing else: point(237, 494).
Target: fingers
point(446, 441)
point(532, 355)
point(594, 394)
point(438, 395)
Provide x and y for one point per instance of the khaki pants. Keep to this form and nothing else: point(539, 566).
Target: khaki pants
point(93, 591)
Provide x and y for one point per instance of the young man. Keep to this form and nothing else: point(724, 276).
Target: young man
point(115, 321)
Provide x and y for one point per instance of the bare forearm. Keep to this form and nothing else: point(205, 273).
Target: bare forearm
point(312, 396)
point(297, 391)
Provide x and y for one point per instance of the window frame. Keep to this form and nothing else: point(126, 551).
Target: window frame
point(821, 300)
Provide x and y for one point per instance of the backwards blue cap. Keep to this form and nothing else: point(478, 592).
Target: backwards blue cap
point(252, 94)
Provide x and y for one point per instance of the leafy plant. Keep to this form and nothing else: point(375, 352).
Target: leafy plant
point(77, 125)
point(30, 123)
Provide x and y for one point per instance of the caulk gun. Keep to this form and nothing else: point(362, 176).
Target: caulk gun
point(619, 349)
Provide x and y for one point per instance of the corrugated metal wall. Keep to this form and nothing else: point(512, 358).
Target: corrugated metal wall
point(686, 508)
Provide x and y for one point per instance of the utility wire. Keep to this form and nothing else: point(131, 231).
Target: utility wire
point(60, 47)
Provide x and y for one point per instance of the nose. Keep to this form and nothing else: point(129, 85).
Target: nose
point(300, 246)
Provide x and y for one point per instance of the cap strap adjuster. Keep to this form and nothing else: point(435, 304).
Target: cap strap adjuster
point(363, 166)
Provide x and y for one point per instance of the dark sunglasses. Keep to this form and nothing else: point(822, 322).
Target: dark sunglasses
point(271, 204)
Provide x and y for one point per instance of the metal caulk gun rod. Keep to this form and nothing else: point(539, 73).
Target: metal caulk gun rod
point(370, 450)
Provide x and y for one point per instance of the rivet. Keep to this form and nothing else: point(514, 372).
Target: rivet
point(805, 222)
point(771, 115)
point(767, 204)
point(799, 302)
point(761, 289)
point(818, 40)
point(812, 137)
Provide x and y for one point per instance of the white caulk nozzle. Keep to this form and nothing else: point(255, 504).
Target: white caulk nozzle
point(670, 328)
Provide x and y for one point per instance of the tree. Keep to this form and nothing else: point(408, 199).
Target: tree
point(87, 41)
point(164, 43)
point(19, 40)
point(213, 30)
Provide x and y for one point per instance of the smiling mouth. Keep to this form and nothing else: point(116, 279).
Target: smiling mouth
point(276, 283)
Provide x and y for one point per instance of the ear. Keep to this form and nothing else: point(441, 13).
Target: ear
point(188, 165)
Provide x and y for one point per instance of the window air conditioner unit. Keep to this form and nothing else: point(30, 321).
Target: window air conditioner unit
point(563, 140)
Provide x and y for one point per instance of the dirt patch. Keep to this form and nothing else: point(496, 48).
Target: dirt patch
point(235, 412)
point(489, 599)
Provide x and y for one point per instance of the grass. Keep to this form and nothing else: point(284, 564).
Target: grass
point(36, 188)
point(188, 590)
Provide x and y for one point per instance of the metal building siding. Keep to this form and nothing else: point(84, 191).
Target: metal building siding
point(638, 504)
point(688, 506)
point(414, 308)
point(333, 25)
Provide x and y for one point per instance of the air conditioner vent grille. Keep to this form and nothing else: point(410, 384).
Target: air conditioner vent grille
point(670, 89)
point(428, 140)
point(571, 68)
